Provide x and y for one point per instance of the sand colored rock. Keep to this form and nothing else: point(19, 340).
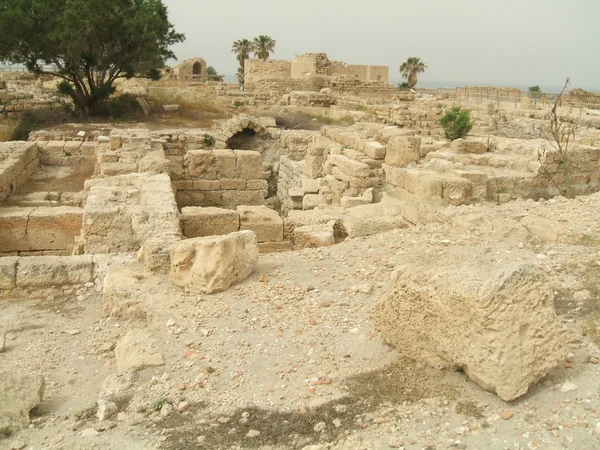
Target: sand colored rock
point(137, 350)
point(265, 222)
point(495, 322)
point(19, 394)
point(213, 263)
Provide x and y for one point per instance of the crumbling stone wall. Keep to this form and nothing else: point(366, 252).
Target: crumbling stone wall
point(18, 160)
point(221, 178)
point(257, 70)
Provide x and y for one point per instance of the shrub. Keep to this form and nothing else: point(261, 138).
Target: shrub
point(456, 122)
point(123, 107)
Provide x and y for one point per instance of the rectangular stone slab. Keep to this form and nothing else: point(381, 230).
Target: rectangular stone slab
point(494, 321)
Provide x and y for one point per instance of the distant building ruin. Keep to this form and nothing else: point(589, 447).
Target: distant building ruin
point(192, 69)
point(311, 65)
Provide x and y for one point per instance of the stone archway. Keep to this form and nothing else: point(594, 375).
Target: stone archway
point(197, 69)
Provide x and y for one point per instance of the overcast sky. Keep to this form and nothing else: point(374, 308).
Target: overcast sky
point(502, 42)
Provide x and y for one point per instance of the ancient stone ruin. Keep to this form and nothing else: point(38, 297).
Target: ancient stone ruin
point(151, 217)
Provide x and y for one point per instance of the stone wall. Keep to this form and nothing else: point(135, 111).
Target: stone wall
point(41, 276)
point(127, 212)
point(289, 185)
point(221, 178)
point(18, 160)
point(39, 230)
point(257, 70)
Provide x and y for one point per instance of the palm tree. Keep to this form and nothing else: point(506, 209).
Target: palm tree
point(240, 76)
point(410, 68)
point(242, 49)
point(263, 46)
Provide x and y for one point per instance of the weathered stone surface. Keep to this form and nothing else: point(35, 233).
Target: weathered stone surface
point(468, 146)
point(19, 394)
point(137, 350)
point(265, 222)
point(402, 151)
point(8, 272)
point(496, 322)
point(47, 271)
point(313, 236)
point(209, 221)
point(375, 218)
point(209, 264)
point(106, 410)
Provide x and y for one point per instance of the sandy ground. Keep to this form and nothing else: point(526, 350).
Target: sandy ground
point(290, 357)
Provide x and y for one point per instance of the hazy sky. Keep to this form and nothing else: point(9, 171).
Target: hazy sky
point(518, 42)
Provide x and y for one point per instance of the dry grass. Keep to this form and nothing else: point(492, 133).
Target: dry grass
point(193, 111)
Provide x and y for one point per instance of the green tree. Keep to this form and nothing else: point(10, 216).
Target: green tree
point(242, 49)
point(87, 43)
point(535, 91)
point(456, 122)
point(263, 46)
point(411, 68)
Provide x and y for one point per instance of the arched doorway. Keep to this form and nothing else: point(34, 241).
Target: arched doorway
point(197, 69)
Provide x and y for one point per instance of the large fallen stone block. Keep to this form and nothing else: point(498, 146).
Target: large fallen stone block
point(265, 222)
point(213, 263)
point(19, 394)
point(313, 236)
point(495, 322)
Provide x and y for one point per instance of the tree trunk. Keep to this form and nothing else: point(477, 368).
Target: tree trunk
point(412, 80)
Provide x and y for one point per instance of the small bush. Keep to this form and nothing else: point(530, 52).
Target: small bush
point(37, 119)
point(208, 140)
point(456, 122)
point(123, 107)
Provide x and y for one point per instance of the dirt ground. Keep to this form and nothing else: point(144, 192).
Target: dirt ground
point(289, 359)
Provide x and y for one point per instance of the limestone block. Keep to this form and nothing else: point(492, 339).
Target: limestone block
point(367, 220)
point(157, 251)
point(468, 146)
point(53, 228)
point(265, 222)
point(137, 350)
point(201, 164)
point(257, 185)
point(349, 166)
point(233, 184)
point(225, 164)
point(52, 153)
point(314, 166)
point(209, 221)
point(19, 394)
point(214, 263)
point(48, 271)
point(541, 228)
point(351, 202)
point(402, 150)
point(8, 272)
point(313, 236)
point(13, 229)
point(312, 201)
point(494, 321)
point(249, 165)
point(310, 185)
point(121, 296)
point(154, 162)
point(247, 197)
point(375, 150)
point(205, 185)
